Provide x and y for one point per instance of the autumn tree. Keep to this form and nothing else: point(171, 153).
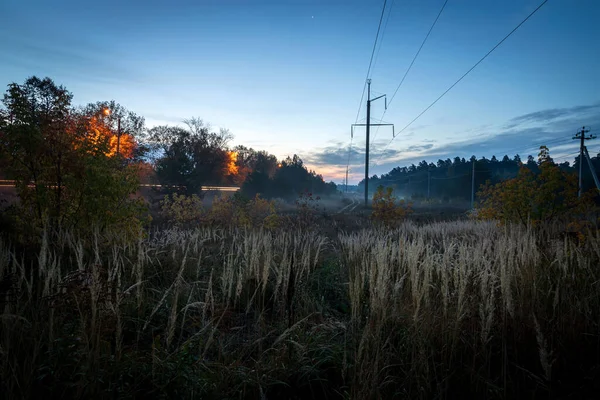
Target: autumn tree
point(59, 158)
point(126, 128)
point(532, 197)
point(254, 164)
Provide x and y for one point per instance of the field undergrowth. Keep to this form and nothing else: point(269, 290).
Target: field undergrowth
point(458, 309)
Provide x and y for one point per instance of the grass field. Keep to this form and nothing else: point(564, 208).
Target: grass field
point(342, 310)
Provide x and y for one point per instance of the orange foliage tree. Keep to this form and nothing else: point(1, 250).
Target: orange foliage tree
point(60, 158)
point(532, 198)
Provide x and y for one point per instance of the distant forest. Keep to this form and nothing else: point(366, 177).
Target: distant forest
point(451, 179)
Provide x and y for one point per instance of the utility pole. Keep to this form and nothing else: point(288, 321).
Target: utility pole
point(368, 138)
point(368, 125)
point(428, 182)
point(473, 184)
point(346, 179)
point(591, 165)
point(582, 138)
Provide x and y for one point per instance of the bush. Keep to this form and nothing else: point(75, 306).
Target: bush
point(531, 198)
point(387, 210)
point(307, 207)
point(182, 210)
point(237, 210)
point(262, 212)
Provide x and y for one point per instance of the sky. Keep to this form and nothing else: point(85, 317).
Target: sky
point(287, 76)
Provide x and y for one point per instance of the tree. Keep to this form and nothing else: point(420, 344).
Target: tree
point(60, 160)
point(257, 182)
point(251, 161)
point(289, 180)
point(544, 156)
point(35, 142)
point(386, 208)
point(192, 157)
point(127, 128)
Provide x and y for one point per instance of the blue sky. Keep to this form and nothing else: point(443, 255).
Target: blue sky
point(286, 76)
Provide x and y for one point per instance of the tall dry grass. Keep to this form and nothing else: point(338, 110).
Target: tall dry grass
point(93, 321)
point(471, 308)
point(444, 310)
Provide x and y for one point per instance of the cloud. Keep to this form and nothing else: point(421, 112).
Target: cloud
point(338, 154)
point(551, 114)
point(331, 160)
point(417, 147)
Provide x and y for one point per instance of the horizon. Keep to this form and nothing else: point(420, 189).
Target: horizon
point(287, 78)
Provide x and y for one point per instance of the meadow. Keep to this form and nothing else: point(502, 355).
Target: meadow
point(434, 310)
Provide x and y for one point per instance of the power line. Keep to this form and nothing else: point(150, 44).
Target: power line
point(418, 51)
point(468, 72)
point(454, 177)
point(412, 62)
point(396, 181)
point(365, 86)
point(362, 97)
point(563, 158)
point(387, 20)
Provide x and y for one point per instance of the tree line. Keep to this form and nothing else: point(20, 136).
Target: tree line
point(451, 179)
point(189, 157)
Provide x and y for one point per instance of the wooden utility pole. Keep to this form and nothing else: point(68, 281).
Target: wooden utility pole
point(582, 138)
point(367, 144)
point(428, 182)
point(346, 179)
point(368, 124)
point(593, 171)
point(473, 184)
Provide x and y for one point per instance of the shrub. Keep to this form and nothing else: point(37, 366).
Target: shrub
point(224, 211)
point(182, 210)
point(387, 210)
point(533, 198)
point(307, 207)
point(262, 212)
point(237, 210)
